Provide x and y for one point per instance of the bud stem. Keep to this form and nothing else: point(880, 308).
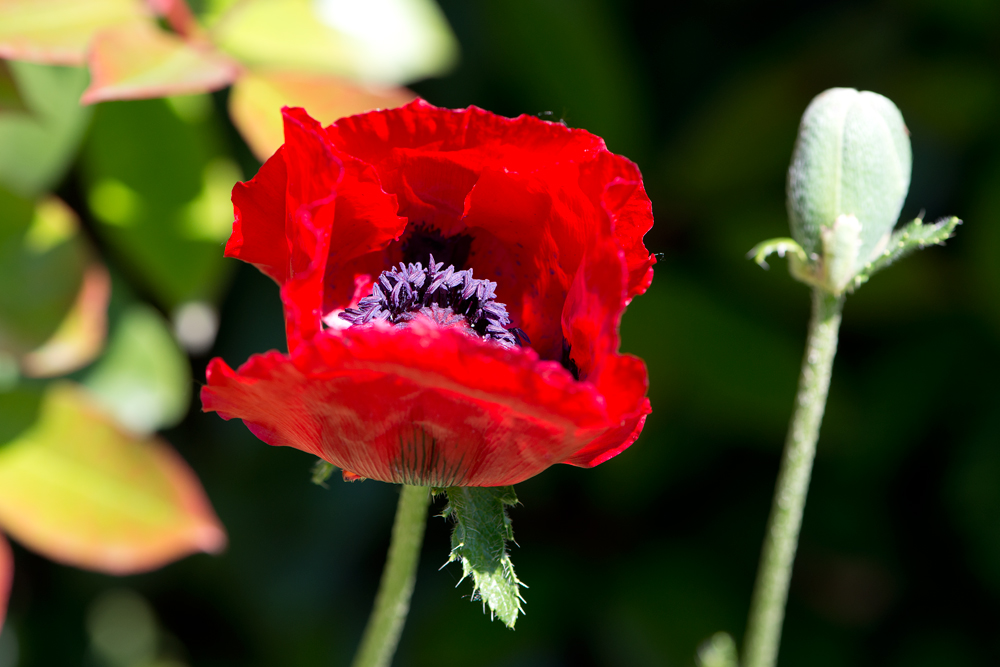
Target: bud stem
point(767, 608)
point(392, 603)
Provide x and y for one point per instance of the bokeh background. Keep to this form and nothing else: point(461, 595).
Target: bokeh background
point(636, 562)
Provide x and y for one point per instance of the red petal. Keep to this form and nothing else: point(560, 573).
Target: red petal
point(333, 202)
point(522, 242)
point(6, 576)
point(624, 198)
point(422, 405)
point(431, 157)
point(311, 187)
point(612, 442)
point(259, 229)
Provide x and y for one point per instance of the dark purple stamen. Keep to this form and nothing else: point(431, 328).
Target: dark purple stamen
point(445, 295)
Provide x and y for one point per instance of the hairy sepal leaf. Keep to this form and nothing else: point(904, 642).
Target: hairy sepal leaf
point(482, 530)
point(912, 236)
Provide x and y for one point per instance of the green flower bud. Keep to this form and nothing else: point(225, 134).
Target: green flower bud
point(852, 160)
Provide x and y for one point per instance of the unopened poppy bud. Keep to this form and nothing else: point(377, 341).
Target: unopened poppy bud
point(849, 175)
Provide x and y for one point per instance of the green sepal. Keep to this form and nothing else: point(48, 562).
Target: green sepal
point(482, 530)
point(912, 236)
point(321, 472)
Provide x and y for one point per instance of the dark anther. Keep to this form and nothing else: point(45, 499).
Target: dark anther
point(423, 241)
point(447, 296)
point(568, 362)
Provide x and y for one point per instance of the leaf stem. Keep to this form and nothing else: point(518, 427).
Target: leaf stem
point(767, 608)
point(392, 603)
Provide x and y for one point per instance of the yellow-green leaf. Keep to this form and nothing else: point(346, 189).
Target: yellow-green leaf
point(79, 490)
point(386, 41)
point(80, 337)
point(255, 103)
point(139, 60)
point(144, 379)
point(58, 31)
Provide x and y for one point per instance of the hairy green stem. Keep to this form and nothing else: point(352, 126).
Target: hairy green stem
point(378, 644)
point(767, 609)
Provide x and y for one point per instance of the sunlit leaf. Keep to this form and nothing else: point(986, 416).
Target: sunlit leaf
point(6, 577)
point(80, 337)
point(38, 146)
point(139, 60)
point(58, 31)
point(143, 379)
point(155, 178)
point(209, 216)
point(80, 491)
point(479, 542)
point(255, 103)
point(387, 41)
point(10, 95)
point(42, 261)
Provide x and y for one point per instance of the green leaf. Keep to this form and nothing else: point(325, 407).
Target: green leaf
point(38, 146)
point(10, 96)
point(58, 31)
point(158, 183)
point(18, 410)
point(79, 490)
point(144, 378)
point(42, 262)
point(389, 42)
point(479, 541)
point(139, 60)
point(912, 236)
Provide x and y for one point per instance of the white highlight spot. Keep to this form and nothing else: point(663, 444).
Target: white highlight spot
point(195, 326)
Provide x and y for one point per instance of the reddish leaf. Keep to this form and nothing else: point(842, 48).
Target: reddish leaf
point(81, 491)
point(6, 576)
point(138, 60)
point(178, 15)
point(256, 100)
point(58, 31)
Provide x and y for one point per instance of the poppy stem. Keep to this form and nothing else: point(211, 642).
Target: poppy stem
point(767, 608)
point(392, 603)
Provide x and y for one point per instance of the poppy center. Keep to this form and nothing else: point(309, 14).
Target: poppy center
point(447, 296)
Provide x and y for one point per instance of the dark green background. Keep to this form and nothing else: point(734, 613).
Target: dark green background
point(636, 562)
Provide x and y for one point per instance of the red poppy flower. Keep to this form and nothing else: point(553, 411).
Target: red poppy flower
point(452, 283)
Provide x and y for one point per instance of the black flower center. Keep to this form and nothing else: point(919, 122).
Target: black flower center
point(445, 295)
point(424, 241)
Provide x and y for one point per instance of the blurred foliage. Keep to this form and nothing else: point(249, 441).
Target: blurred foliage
point(642, 559)
point(40, 141)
